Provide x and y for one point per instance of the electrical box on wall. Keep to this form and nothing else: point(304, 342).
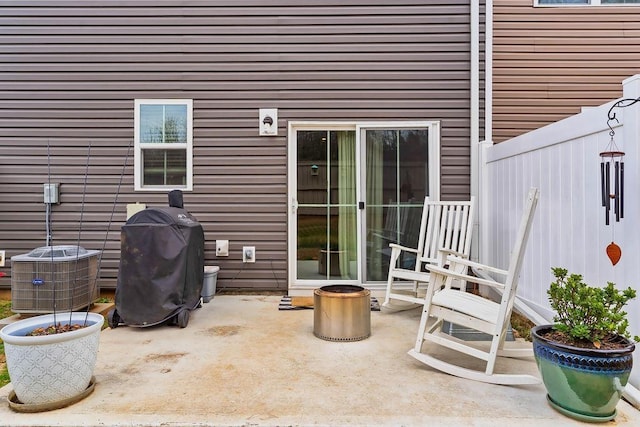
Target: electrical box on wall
point(51, 193)
point(134, 208)
point(222, 248)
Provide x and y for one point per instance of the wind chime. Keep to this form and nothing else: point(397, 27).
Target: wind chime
point(612, 184)
point(612, 179)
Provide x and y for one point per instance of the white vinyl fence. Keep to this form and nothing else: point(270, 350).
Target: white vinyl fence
point(569, 229)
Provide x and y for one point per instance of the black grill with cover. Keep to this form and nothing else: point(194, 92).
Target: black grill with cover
point(161, 268)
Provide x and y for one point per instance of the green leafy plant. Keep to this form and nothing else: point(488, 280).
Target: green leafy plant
point(588, 313)
point(4, 373)
point(5, 311)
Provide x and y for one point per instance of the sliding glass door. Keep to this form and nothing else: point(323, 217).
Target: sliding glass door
point(353, 190)
point(396, 182)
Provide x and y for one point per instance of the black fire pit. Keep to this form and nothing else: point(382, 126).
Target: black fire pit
point(342, 313)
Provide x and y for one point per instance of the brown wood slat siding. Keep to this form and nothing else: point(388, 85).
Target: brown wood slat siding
point(550, 62)
point(71, 70)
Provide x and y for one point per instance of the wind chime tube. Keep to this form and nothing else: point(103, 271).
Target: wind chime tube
point(607, 187)
point(602, 187)
point(621, 189)
point(616, 191)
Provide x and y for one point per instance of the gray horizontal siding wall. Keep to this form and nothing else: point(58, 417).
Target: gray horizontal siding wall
point(549, 62)
point(70, 71)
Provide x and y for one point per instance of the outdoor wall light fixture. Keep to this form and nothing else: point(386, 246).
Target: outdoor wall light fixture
point(314, 170)
point(612, 179)
point(268, 121)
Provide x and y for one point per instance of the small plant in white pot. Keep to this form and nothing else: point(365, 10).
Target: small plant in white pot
point(585, 357)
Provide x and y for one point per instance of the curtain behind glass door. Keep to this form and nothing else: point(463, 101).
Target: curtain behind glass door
point(327, 207)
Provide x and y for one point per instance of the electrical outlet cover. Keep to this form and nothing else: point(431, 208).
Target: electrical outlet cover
point(248, 254)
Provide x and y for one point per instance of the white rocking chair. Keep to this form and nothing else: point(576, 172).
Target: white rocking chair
point(475, 312)
point(445, 228)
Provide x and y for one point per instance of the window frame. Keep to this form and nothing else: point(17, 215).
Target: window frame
point(140, 147)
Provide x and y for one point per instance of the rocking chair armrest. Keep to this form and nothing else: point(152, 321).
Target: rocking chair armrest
point(447, 252)
point(402, 248)
point(475, 265)
point(487, 281)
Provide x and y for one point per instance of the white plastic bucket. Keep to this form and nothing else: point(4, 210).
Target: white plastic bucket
point(209, 282)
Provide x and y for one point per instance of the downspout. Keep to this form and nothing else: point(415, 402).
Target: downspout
point(482, 178)
point(474, 119)
point(488, 123)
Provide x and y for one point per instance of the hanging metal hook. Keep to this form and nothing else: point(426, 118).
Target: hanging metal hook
point(622, 103)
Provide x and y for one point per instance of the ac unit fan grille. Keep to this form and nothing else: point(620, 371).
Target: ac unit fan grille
point(45, 286)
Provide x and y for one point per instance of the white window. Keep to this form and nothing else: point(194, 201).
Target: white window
point(584, 2)
point(163, 144)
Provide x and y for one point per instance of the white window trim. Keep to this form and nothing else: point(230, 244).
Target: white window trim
point(188, 146)
point(590, 3)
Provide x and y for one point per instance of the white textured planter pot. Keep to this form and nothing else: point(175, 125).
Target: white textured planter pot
point(51, 368)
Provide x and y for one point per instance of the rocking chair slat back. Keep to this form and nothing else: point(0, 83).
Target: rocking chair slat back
point(444, 225)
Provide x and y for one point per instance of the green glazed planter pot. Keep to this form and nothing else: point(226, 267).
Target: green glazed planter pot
point(584, 384)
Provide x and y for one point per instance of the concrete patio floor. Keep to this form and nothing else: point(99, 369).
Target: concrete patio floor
point(242, 362)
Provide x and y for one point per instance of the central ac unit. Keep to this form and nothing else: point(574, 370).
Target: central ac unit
point(54, 278)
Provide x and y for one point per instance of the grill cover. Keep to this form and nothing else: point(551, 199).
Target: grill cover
point(161, 266)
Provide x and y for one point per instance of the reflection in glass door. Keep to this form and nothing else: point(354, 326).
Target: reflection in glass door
point(326, 232)
point(396, 182)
